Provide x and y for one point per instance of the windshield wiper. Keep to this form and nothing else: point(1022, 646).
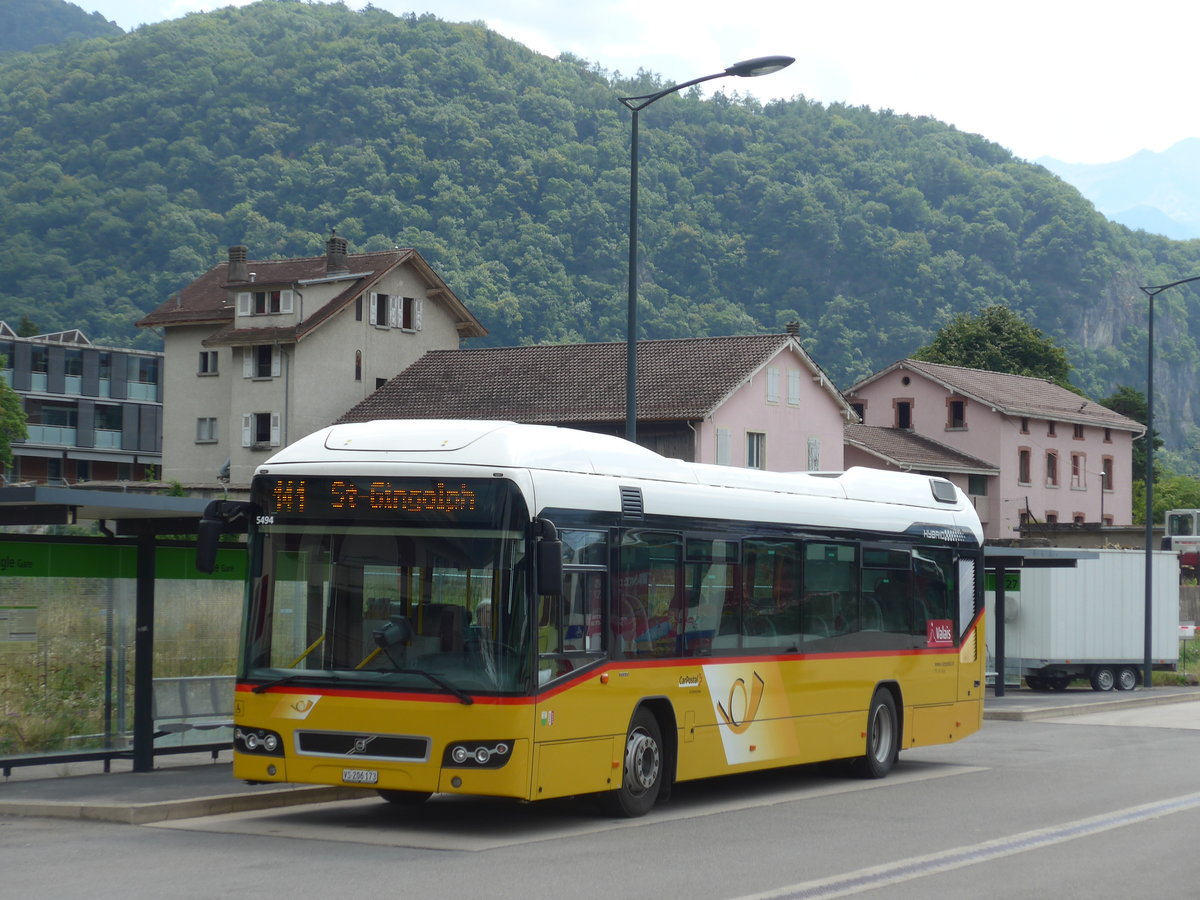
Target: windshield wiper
point(463, 697)
point(295, 676)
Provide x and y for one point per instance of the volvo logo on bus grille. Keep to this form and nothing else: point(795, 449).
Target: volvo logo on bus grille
point(363, 746)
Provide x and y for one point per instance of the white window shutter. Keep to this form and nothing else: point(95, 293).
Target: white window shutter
point(285, 301)
point(814, 453)
point(245, 304)
point(722, 446)
point(793, 387)
point(395, 314)
point(247, 429)
point(274, 429)
point(373, 306)
point(772, 384)
point(418, 305)
point(247, 362)
point(276, 361)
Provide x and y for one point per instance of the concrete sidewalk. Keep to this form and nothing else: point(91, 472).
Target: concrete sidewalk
point(189, 786)
point(1022, 705)
point(184, 788)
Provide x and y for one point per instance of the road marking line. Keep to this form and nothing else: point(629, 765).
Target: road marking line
point(934, 863)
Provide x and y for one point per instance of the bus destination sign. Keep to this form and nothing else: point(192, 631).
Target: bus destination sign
point(369, 497)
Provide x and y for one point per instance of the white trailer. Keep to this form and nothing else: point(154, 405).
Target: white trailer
point(1087, 621)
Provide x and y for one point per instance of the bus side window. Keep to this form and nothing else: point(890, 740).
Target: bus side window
point(830, 591)
point(712, 613)
point(648, 613)
point(771, 599)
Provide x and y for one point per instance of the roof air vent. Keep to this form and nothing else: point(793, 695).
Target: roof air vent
point(631, 503)
point(943, 491)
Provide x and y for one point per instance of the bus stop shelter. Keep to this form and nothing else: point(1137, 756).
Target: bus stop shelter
point(124, 517)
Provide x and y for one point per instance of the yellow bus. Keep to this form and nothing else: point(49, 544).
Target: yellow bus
point(487, 608)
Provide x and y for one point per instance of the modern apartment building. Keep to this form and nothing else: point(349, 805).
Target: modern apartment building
point(94, 413)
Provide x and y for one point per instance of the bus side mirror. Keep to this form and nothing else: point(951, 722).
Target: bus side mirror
point(218, 518)
point(548, 558)
point(549, 567)
point(207, 543)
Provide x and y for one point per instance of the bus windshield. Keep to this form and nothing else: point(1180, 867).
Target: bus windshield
point(411, 609)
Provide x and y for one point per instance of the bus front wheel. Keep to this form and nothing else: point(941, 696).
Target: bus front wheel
point(641, 770)
point(883, 737)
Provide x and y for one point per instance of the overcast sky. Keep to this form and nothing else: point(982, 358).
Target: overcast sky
point(1080, 81)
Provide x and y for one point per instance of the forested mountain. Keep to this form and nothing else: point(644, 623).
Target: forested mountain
point(25, 24)
point(129, 164)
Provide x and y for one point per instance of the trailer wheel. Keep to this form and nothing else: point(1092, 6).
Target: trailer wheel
point(1103, 678)
point(1127, 678)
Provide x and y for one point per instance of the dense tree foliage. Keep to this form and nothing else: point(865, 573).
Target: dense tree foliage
point(12, 419)
point(999, 340)
point(25, 24)
point(128, 164)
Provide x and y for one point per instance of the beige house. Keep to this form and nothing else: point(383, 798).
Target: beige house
point(753, 401)
point(258, 353)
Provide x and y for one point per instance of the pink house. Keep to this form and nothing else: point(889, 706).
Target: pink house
point(756, 401)
point(1059, 457)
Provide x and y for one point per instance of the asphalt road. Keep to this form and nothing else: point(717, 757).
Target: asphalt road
point(1103, 804)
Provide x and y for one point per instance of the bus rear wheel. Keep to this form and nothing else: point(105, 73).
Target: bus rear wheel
point(883, 737)
point(641, 770)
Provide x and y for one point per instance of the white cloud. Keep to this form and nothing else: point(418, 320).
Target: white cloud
point(1079, 81)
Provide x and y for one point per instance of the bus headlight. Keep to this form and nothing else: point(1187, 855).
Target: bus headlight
point(477, 754)
point(258, 741)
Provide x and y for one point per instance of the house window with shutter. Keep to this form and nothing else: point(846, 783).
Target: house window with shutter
point(772, 384)
point(723, 447)
point(260, 430)
point(391, 311)
point(265, 302)
point(262, 361)
point(793, 397)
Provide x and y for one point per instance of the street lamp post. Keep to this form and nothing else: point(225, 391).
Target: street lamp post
point(1151, 291)
point(751, 68)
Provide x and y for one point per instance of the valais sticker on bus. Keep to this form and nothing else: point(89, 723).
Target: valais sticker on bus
point(939, 633)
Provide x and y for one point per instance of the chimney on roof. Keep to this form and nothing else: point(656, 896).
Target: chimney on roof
point(335, 254)
point(237, 263)
point(792, 327)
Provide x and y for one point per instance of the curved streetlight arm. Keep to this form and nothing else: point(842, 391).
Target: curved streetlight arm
point(1151, 291)
point(750, 68)
point(1155, 289)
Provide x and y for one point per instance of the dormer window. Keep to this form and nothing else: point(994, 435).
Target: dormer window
point(264, 303)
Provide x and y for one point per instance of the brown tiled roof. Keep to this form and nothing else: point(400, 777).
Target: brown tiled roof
point(1014, 395)
point(676, 380)
point(908, 450)
point(208, 299)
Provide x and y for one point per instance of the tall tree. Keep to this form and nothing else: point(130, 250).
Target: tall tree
point(12, 419)
point(998, 340)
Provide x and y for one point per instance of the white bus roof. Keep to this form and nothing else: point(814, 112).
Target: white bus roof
point(549, 449)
